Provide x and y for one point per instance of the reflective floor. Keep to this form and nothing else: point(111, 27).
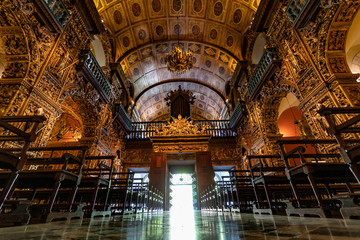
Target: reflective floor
point(197, 225)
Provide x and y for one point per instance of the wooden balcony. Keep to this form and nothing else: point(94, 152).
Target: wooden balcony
point(53, 13)
point(265, 69)
point(122, 117)
point(90, 69)
point(214, 128)
point(237, 115)
point(301, 11)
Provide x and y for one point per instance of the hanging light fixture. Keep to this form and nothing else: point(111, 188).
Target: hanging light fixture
point(179, 61)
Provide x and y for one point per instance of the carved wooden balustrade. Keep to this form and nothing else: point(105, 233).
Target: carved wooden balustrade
point(214, 128)
point(53, 13)
point(265, 69)
point(237, 115)
point(122, 117)
point(301, 11)
point(90, 69)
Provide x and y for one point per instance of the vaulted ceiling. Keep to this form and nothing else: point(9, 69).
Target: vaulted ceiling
point(146, 30)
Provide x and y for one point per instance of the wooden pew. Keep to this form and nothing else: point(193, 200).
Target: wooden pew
point(273, 180)
point(349, 150)
point(139, 195)
point(16, 129)
point(121, 192)
point(95, 186)
point(343, 125)
point(244, 193)
point(155, 200)
point(205, 199)
point(46, 175)
point(226, 194)
point(317, 170)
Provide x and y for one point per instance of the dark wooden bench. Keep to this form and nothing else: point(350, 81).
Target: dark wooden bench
point(244, 194)
point(95, 181)
point(56, 169)
point(120, 192)
point(344, 126)
point(271, 176)
point(319, 169)
point(16, 130)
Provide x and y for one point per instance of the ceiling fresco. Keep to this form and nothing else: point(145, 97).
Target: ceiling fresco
point(208, 103)
point(146, 30)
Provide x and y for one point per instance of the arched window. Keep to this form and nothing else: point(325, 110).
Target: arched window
point(258, 49)
point(352, 46)
point(289, 116)
point(98, 50)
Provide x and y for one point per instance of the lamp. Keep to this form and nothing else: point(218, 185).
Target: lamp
point(179, 61)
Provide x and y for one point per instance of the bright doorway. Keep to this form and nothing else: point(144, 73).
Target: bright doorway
point(182, 221)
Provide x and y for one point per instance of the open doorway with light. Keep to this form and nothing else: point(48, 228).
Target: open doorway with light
point(182, 202)
point(182, 192)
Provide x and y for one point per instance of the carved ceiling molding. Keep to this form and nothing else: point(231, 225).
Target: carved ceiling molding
point(145, 68)
point(208, 104)
point(180, 80)
point(336, 37)
point(137, 22)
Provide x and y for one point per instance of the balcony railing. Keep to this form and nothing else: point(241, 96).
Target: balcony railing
point(214, 128)
point(265, 69)
point(53, 13)
point(301, 11)
point(236, 115)
point(91, 70)
point(123, 117)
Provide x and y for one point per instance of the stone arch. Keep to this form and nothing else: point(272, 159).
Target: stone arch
point(270, 111)
point(335, 48)
point(258, 48)
point(289, 116)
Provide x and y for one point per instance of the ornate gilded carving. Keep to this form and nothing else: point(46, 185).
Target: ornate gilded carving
point(337, 40)
point(338, 64)
point(180, 127)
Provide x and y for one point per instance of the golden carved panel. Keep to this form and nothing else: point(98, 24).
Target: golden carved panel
point(176, 7)
point(197, 8)
point(117, 17)
point(157, 8)
point(217, 10)
point(196, 30)
point(136, 11)
point(126, 40)
point(142, 34)
point(159, 30)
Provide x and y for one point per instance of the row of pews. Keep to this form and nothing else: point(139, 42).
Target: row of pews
point(42, 184)
point(309, 177)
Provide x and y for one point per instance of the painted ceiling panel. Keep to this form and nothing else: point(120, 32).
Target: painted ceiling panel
point(146, 30)
point(152, 102)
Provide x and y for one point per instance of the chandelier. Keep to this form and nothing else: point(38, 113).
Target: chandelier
point(179, 61)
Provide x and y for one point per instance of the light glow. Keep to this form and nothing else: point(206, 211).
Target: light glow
point(182, 220)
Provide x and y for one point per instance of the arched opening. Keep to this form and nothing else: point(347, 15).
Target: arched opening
point(98, 50)
point(352, 45)
point(2, 60)
point(289, 116)
point(293, 125)
point(258, 48)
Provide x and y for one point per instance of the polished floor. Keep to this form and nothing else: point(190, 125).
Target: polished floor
point(185, 226)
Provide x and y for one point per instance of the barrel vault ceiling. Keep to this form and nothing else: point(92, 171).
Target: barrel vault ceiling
point(146, 30)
